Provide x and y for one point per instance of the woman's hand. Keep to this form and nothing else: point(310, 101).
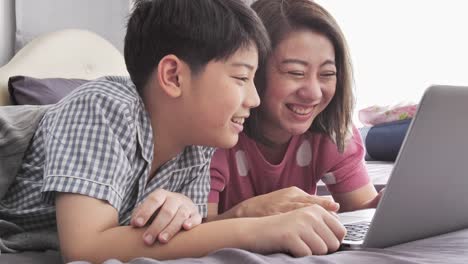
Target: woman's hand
point(173, 211)
point(374, 201)
point(281, 201)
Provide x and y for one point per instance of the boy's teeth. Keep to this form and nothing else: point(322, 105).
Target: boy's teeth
point(238, 120)
point(300, 110)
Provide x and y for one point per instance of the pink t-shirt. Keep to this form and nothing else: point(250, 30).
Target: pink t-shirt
point(242, 172)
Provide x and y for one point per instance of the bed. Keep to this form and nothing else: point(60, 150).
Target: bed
point(84, 55)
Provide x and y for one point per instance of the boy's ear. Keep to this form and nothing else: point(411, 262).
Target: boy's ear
point(169, 70)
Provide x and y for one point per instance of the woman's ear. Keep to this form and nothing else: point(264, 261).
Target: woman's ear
point(168, 72)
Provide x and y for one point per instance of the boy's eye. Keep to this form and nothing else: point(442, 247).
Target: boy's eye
point(243, 79)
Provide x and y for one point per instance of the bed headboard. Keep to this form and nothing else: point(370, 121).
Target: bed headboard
point(70, 53)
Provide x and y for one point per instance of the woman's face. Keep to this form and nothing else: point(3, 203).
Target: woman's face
point(300, 83)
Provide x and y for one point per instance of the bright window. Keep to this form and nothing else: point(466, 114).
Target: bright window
point(401, 47)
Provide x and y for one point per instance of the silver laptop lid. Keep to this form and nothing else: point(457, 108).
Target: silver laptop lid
point(427, 191)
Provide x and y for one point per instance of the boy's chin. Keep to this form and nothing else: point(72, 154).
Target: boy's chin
point(228, 141)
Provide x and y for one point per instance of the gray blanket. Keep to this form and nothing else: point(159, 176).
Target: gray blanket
point(448, 248)
point(17, 127)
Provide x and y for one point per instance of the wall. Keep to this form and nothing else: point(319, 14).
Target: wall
point(7, 30)
point(105, 17)
point(401, 47)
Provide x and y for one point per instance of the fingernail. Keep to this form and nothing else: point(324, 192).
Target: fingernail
point(164, 237)
point(139, 221)
point(188, 225)
point(149, 239)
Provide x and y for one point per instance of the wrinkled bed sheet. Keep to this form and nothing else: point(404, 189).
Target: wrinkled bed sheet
point(447, 248)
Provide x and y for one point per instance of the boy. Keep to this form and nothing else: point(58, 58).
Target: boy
point(113, 143)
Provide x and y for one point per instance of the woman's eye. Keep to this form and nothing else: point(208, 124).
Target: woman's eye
point(329, 74)
point(296, 73)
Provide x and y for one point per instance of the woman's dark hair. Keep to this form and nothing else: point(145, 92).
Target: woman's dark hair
point(281, 17)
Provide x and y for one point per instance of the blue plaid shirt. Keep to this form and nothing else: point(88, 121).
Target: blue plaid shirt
point(98, 142)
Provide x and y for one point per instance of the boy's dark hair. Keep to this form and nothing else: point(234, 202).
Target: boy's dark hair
point(284, 16)
point(196, 31)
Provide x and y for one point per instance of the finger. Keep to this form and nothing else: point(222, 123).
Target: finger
point(162, 219)
point(174, 225)
point(326, 203)
point(298, 248)
point(194, 220)
point(315, 242)
point(328, 237)
point(145, 210)
point(335, 226)
point(292, 206)
point(334, 214)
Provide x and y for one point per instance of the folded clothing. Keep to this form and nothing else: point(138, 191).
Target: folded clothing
point(383, 141)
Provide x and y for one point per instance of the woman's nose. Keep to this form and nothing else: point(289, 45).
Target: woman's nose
point(311, 89)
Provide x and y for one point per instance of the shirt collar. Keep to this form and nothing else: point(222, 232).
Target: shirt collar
point(144, 131)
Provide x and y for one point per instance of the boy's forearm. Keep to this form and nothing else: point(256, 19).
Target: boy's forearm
point(125, 242)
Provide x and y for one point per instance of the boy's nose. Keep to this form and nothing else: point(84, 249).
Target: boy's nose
point(252, 99)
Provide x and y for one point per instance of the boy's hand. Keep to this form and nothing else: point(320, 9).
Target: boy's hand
point(173, 212)
point(306, 231)
point(281, 201)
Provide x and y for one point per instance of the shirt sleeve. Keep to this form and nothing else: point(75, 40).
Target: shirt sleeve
point(199, 187)
point(219, 172)
point(347, 170)
point(86, 145)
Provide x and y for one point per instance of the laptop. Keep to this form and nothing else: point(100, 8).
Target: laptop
point(427, 192)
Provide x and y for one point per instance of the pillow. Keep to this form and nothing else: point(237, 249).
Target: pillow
point(33, 91)
point(383, 141)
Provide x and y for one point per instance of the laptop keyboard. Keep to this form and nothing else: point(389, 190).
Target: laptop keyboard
point(356, 231)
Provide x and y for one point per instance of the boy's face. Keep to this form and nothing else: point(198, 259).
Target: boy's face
point(300, 83)
point(220, 97)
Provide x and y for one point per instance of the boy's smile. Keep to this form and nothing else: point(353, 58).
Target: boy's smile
point(238, 123)
point(220, 98)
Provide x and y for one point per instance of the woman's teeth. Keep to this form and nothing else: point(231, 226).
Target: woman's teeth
point(300, 110)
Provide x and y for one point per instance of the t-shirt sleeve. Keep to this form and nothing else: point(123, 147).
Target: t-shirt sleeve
point(347, 171)
point(85, 145)
point(219, 172)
